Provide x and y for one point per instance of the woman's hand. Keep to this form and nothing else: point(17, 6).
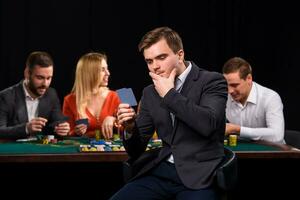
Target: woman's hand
point(80, 129)
point(107, 127)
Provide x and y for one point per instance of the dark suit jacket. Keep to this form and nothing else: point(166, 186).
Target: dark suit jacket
point(13, 111)
point(197, 138)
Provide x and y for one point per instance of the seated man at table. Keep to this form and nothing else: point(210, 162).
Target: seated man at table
point(253, 111)
point(31, 106)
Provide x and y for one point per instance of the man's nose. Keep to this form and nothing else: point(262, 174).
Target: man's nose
point(46, 82)
point(155, 66)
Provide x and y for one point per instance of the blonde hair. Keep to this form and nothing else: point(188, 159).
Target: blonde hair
point(87, 79)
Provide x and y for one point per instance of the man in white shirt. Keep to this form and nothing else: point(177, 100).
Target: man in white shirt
point(253, 111)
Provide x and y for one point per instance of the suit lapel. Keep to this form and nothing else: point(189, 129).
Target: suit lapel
point(162, 114)
point(187, 85)
point(192, 76)
point(22, 114)
point(169, 128)
point(42, 107)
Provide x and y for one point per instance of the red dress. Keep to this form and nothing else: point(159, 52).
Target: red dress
point(109, 108)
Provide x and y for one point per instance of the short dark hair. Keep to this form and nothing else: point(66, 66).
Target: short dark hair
point(172, 38)
point(237, 64)
point(39, 58)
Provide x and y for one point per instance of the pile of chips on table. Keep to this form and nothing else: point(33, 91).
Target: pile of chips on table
point(153, 144)
point(102, 145)
point(116, 145)
point(49, 139)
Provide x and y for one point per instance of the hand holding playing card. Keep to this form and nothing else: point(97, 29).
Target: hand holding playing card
point(81, 126)
point(126, 114)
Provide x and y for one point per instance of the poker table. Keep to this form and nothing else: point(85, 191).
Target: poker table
point(258, 162)
point(266, 170)
point(34, 166)
point(67, 150)
point(246, 149)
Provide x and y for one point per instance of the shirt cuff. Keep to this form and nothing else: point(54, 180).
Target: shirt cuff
point(247, 132)
point(26, 129)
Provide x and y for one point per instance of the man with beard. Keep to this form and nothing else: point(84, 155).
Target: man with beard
point(31, 106)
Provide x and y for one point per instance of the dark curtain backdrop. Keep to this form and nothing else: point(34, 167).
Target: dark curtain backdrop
point(265, 33)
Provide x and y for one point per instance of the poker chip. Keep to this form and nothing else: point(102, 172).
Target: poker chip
point(50, 137)
point(91, 148)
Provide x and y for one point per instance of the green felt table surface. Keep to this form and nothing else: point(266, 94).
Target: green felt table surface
point(71, 145)
point(251, 146)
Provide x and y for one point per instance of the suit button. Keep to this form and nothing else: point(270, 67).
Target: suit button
point(173, 147)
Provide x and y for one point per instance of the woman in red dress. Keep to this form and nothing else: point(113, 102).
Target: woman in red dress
point(91, 98)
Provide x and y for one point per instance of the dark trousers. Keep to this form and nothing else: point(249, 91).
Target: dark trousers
point(162, 183)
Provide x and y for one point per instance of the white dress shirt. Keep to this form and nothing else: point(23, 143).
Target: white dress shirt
point(31, 105)
point(261, 118)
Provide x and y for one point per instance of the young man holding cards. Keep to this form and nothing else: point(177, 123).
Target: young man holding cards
point(31, 106)
point(185, 105)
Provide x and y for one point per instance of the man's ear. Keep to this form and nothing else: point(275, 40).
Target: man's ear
point(249, 78)
point(181, 55)
point(26, 73)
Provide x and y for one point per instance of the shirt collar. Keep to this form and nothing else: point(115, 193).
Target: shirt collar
point(252, 97)
point(185, 73)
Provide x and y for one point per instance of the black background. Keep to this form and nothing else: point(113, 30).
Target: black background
point(266, 33)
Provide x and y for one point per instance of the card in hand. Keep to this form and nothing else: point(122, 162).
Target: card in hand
point(62, 119)
point(65, 118)
point(126, 95)
point(82, 121)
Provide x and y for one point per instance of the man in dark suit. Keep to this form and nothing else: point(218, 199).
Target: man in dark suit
point(185, 105)
point(31, 106)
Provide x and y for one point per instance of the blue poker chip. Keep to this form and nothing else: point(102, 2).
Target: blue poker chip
point(107, 148)
point(99, 142)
